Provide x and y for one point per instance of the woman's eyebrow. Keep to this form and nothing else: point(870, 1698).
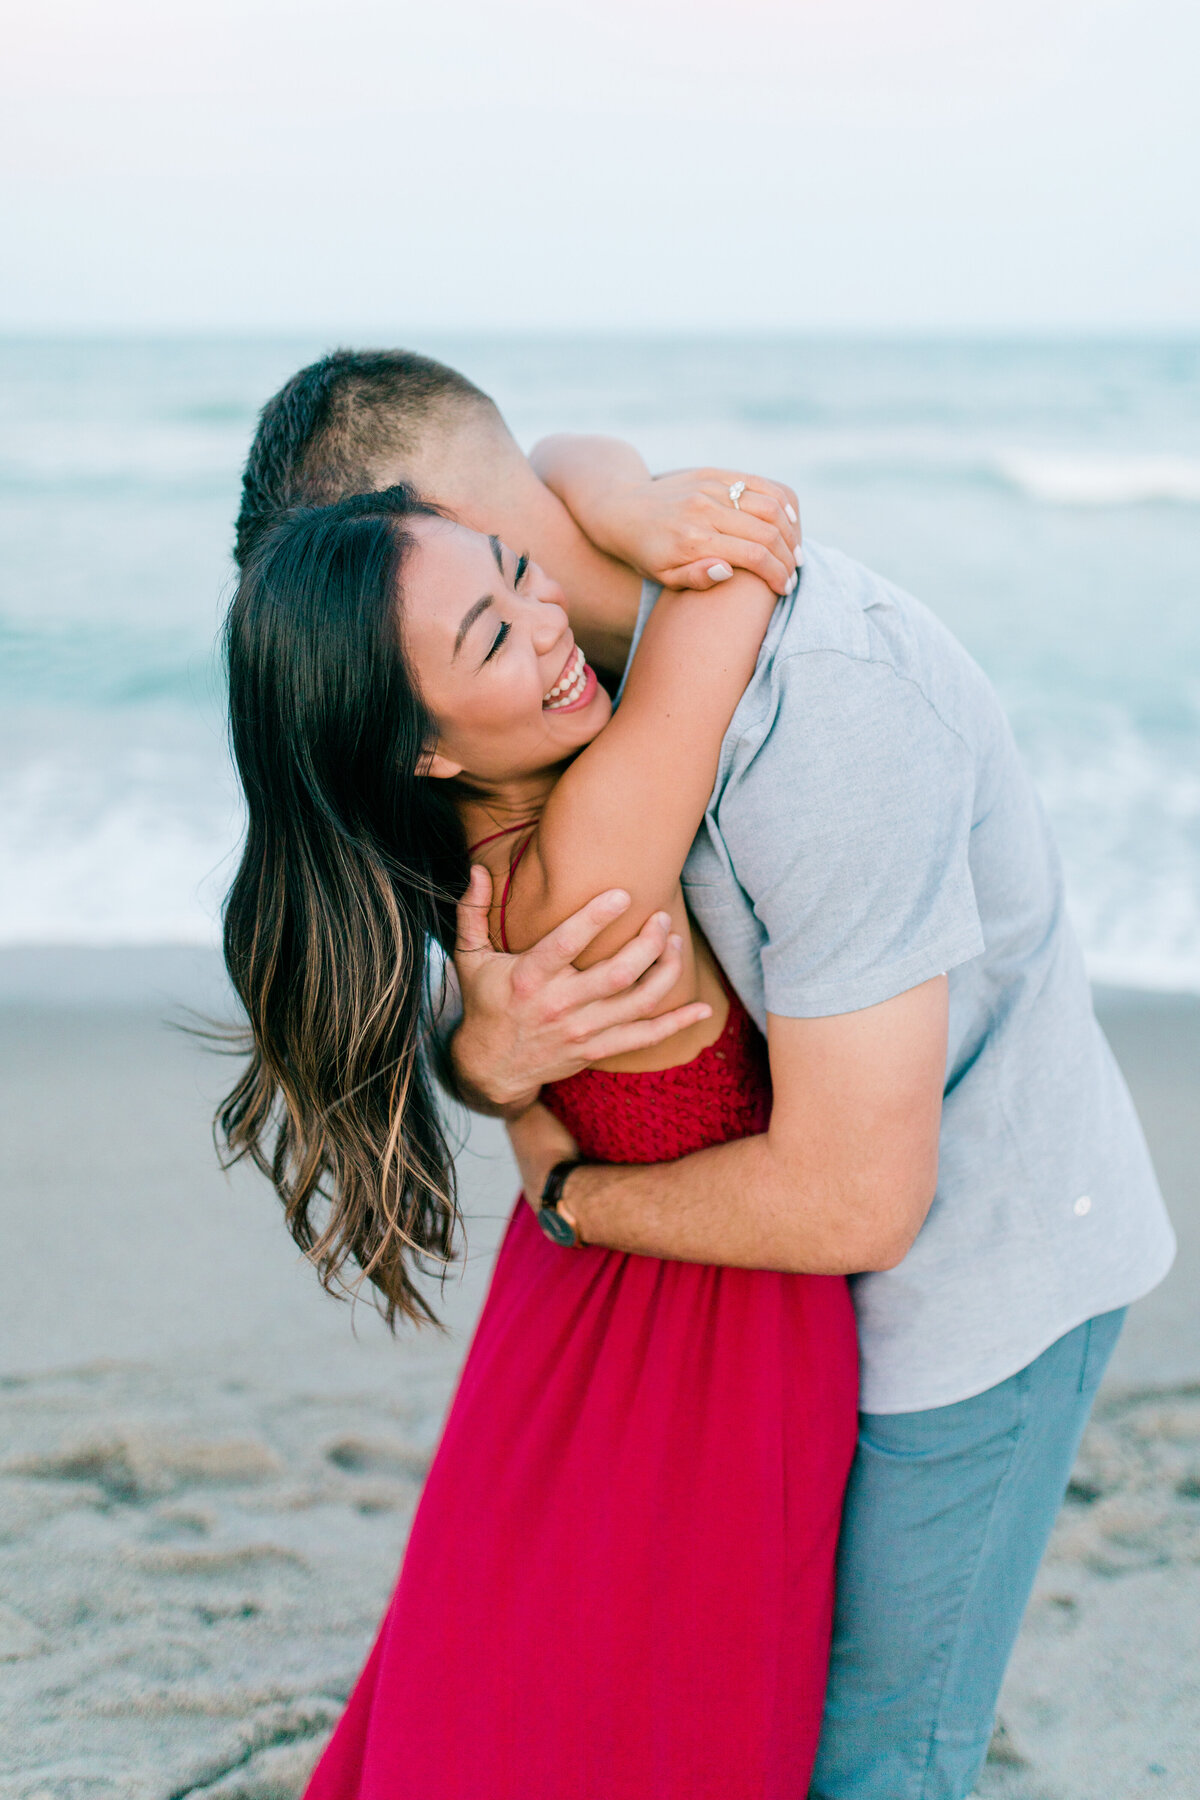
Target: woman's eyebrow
point(469, 617)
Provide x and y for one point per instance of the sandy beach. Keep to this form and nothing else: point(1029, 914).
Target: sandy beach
point(207, 1467)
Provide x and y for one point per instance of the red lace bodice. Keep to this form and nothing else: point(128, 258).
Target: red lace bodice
point(659, 1114)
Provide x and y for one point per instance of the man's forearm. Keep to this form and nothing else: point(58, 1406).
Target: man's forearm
point(740, 1205)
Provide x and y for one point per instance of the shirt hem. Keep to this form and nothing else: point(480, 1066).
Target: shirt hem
point(1042, 1343)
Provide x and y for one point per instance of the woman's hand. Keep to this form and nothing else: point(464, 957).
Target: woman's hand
point(681, 529)
point(539, 1142)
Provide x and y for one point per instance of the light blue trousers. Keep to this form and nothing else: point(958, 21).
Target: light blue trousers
point(947, 1515)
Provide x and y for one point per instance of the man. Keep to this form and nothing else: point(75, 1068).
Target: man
point(875, 875)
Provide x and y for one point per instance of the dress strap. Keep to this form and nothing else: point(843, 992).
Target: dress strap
point(495, 835)
point(512, 869)
point(529, 825)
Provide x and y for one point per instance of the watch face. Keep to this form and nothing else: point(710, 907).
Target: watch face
point(556, 1227)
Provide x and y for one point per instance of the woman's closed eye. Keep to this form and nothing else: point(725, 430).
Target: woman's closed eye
point(498, 640)
point(520, 571)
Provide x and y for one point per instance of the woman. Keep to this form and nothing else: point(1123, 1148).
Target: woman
point(619, 1580)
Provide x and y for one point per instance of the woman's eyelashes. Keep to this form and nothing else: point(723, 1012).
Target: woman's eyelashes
point(519, 574)
point(497, 641)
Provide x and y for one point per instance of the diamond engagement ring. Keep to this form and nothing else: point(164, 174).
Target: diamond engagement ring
point(735, 494)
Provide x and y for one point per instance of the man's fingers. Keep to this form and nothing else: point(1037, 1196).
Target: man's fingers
point(559, 948)
point(471, 931)
point(643, 998)
point(640, 1035)
point(622, 972)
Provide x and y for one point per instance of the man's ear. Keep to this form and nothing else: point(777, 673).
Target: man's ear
point(440, 767)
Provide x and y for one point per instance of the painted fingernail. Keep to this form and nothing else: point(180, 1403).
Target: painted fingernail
point(799, 556)
point(791, 512)
point(675, 941)
point(663, 919)
point(616, 901)
point(791, 586)
point(719, 572)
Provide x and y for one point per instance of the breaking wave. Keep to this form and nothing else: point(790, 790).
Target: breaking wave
point(1075, 479)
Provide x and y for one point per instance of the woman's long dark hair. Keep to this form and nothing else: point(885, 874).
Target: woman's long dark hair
point(351, 865)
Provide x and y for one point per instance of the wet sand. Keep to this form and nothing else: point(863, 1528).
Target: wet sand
point(207, 1468)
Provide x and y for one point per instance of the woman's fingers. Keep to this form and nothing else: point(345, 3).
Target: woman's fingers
point(771, 500)
point(760, 518)
point(697, 526)
point(752, 549)
point(783, 496)
point(709, 572)
point(768, 508)
point(754, 535)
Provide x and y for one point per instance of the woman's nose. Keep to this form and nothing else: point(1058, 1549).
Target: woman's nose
point(549, 626)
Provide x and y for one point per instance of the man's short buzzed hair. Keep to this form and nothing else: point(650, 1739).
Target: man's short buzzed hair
point(333, 427)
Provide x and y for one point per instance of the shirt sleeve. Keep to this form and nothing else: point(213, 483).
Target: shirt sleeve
point(850, 831)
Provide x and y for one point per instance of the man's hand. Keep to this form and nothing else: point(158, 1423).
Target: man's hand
point(681, 529)
point(539, 1142)
point(534, 1018)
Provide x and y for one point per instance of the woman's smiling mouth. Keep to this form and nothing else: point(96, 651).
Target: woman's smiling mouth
point(572, 685)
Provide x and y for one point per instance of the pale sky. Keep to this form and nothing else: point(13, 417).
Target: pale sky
point(355, 166)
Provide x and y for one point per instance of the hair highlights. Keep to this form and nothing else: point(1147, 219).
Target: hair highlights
point(351, 865)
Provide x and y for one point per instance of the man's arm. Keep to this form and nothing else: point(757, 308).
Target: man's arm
point(839, 1183)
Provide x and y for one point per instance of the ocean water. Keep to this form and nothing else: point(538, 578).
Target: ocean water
point(1043, 498)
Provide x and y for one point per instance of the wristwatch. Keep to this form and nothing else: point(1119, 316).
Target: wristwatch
point(552, 1216)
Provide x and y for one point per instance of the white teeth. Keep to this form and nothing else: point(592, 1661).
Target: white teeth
point(570, 684)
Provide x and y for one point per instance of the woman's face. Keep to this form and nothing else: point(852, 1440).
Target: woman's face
point(486, 634)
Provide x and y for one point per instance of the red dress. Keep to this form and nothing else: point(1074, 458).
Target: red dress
point(619, 1581)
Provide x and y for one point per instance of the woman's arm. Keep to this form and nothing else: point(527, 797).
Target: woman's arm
point(680, 529)
point(626, 810)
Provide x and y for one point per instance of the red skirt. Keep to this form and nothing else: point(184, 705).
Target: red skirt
point(619, 1581)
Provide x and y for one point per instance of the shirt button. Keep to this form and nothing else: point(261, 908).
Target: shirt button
point(1083, 1205)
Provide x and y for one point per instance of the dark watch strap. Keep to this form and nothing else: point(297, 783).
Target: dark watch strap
point(558, 1224)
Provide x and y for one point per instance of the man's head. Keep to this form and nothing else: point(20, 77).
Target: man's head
point(359, 420)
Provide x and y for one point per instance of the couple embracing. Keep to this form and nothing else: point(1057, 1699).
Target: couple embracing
point(833, 1195)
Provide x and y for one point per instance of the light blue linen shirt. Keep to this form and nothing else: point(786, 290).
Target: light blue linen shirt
point(872, 825)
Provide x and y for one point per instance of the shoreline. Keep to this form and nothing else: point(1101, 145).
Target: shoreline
point(190, 974)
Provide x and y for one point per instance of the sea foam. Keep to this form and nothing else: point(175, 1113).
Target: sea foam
point(1076, 479)
point(1044, 499)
